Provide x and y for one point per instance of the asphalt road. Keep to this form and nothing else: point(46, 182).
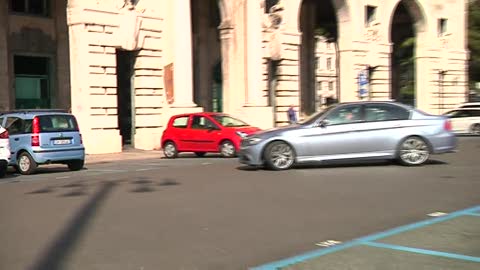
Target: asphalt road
point(212, 213)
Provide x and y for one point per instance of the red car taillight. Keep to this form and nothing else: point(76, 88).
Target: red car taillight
point(35, 132)
point(447, 125)
point(4, 135)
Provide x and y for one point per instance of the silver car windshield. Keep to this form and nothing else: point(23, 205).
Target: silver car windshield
point(314, 117)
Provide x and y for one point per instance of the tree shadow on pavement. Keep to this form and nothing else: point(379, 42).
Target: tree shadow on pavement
point(55, 255)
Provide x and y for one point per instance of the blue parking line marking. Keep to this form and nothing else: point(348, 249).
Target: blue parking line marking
point(370, 238)
point(474, 214)
point(424, 251)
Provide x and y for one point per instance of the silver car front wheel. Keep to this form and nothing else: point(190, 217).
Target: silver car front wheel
point(413, 151)
point(279, 156)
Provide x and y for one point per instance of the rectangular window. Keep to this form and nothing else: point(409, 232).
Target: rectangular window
point(180, 122)
point(330, 86)
point(329, 63)
point(33, 7)
point(32, 82)
point(370, 15)
point(14, 125)
point(442, 27)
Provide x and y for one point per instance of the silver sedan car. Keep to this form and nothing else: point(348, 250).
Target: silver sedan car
point(352, 131)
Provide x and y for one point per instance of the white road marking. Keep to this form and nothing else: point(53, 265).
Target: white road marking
point(153, 164)
point(62, 177)
point(328, 243)
point(436, 214)
point(142, 170)
point(108, 170)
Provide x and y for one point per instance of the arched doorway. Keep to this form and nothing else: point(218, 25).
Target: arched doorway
point(404, 36)
point(318, 25)
point(207, 68)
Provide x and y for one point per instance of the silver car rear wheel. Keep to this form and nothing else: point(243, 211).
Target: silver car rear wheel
point(413, 151)
point(279, 156)
point(475, 130)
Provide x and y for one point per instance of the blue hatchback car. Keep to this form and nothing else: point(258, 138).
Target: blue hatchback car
point(43, 137)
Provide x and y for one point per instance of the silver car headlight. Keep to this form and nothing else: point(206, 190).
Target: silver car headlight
point(242, 134)
point(253, 140)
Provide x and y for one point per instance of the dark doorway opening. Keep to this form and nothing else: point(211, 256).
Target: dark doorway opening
point(32, 82)
point(207, 68)
point(403, 56)
point(317, 19)
point(217, 91)
point(125, 92)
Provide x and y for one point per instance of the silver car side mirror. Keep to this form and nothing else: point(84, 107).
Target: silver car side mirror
point(322, 123)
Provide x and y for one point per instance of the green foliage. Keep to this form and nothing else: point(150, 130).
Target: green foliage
point(474, 40)
point(404, 56)
point(328, 31)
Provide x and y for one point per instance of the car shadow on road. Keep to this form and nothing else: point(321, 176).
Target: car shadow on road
point(342, 164)
point(55, 169)
point(10, 176)
point(193, 156)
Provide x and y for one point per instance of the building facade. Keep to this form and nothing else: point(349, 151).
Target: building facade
point(123, 67)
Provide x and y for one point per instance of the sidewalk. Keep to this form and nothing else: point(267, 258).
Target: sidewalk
point(129, 154)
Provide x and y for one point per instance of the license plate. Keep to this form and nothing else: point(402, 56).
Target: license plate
point(57, 142)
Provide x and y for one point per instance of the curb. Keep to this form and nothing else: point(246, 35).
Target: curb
point(109, 158)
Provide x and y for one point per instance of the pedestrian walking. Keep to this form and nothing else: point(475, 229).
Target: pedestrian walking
point(292, 115)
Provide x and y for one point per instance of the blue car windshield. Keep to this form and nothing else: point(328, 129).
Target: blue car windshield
point(228, 121)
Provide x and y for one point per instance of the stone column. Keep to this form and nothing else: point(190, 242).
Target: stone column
point(254, 95)
point(254, 110)
point(182, 67)
point(79, 72)
point(426, 86)
point(348, 76)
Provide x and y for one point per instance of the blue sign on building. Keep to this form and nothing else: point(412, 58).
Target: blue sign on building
point(363, 83)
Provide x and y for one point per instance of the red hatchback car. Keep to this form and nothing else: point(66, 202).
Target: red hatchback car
point(204, 132)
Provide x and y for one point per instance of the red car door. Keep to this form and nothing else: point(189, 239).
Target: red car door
point(187, 137)
point(204, 134)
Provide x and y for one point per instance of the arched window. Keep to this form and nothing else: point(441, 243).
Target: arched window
point(269, 4)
